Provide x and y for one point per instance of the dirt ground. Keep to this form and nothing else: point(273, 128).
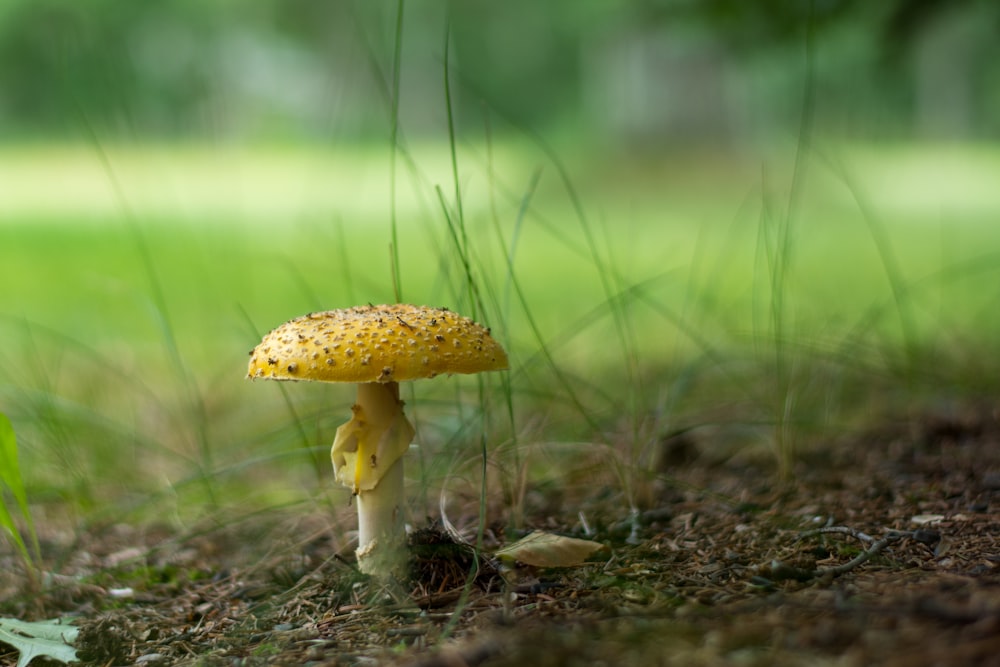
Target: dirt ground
point(884, 550)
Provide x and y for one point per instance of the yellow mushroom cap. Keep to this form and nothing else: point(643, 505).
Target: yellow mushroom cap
point(376, 344)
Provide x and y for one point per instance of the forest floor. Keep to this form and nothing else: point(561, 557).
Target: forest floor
point(882, 550)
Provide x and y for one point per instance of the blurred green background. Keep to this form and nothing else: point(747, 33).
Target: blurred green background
point(761, 223)
point(718, 71)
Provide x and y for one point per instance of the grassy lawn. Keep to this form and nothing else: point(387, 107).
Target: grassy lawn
point(135, 286)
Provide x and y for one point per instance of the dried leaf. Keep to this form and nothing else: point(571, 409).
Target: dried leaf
point(547, 550)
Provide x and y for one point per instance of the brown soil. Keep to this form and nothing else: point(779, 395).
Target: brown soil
point(727, 568)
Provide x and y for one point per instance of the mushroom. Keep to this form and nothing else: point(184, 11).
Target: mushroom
point(376, 347)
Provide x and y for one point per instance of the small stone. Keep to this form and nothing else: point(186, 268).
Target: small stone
point(929, 537)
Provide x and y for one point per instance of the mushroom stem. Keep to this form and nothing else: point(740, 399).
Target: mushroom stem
point(367, 456)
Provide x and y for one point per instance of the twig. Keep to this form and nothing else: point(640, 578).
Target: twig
point(876, 546)
point(873, 550)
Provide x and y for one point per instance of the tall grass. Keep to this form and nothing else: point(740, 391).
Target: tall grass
point(712, 307)
point(115, 397)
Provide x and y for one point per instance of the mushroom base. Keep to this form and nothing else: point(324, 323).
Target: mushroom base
point(381, 533)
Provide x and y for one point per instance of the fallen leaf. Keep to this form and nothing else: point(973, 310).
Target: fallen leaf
point(547, 550)
point(42, 638)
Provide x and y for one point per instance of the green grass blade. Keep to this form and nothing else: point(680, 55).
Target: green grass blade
point(9, 467)
point(10, 474)
point(397, 57)
point(456, 223)
point(7, 522)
